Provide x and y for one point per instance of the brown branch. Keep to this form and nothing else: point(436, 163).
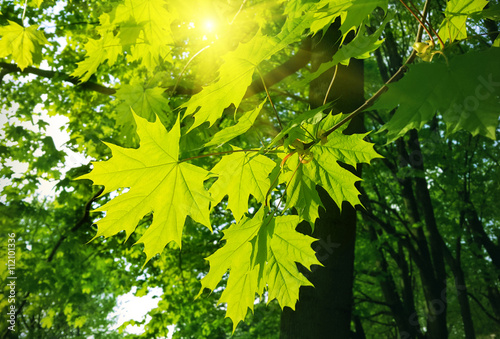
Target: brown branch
point(289, 67)
point(13, 68)
point(284, 70)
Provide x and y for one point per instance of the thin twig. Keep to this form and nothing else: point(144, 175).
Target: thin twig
point(185, 67)
point(331, 84)
point(270, 100)
point(418, 19)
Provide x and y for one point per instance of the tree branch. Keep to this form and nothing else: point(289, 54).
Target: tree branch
point(289, 67)
point(286, 69)
point(91, 86)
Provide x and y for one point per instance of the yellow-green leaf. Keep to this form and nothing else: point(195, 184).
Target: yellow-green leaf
point(235, 75)
point(319, 166)
point(158, 183)
point(106, 48)
point(241, 174)
point(453, 26)
point(261, 253)
point(244, 124)
point(21, 43)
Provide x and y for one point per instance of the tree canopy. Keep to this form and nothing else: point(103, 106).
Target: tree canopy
point(223, 136)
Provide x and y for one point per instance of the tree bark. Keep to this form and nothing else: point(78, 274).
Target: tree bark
point(324, 311)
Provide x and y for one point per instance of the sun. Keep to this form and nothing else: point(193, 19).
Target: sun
point(209, 25)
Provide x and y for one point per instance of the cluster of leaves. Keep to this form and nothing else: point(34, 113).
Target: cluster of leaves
point(166, 180)
point(261, 252)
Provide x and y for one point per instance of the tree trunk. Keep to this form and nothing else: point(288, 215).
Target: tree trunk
point(325, 310)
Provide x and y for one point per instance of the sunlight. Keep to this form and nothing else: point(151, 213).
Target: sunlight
point(209, 25)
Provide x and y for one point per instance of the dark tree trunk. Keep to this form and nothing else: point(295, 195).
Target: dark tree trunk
point(402, 313)
point(325, 310)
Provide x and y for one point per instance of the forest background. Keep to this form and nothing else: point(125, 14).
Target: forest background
point(222, 128)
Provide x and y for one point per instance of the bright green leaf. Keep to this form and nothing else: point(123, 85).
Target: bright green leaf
point(147, 103)
point(453, 26)
point(108, 48)
point(260, 253)
point(319, 166)
point(352, 13)
point(21, 43)
point(158, 183)
point(241, 174)
point(244, 124)
point(235, 75)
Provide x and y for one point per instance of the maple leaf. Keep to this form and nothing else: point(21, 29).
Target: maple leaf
point(22, 43)
point(463, 92)
point(360, 48)
point(108, 48)
point(352, 13)
point(260, 253)
point(158, 183)
point(245, 122)
point(241, 174)
point(456, 14)
point(235, 75)
point(153, 36)
point(147, 102)
point(319, 166)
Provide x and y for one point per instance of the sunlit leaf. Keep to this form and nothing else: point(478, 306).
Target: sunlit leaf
point(158, 183)
point(261, 254)
point(241, 174)
point(21, 43)
point(245, 122)
point(454, 26)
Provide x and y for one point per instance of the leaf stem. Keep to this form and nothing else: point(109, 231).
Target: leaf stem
point(185, 67)
point(287, 185)
point(269, 97)
point(331, 84)
point(418, 19)
point(24, 11)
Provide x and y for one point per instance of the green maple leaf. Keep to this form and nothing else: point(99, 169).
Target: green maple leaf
point(351, 12)
point(241, 174)
point(151, 37)
point(319, 166)
point(21, 43)
point(108, 48)
point(158, 183)
point(261, 253)
point(456, 14)
point(245, 122)
point(463, 92)
point(235, 75)
point(147, 103)
point(360, 48)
